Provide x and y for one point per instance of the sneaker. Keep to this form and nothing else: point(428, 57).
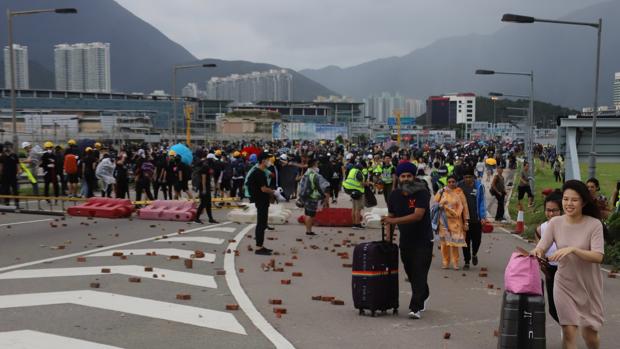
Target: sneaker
point(466, 266)
point(309, 233)
point(425, 304)
point(197, 220)
point(474, 260)
point(415, 315)
point(213, 221)
point(263, 251)
point(270, 228)
point(357, 227)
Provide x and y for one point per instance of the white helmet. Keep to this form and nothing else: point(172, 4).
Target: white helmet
point(26, 145)
point(369, 156)
point(211, 156)
point(284, 157)
point(349, 156)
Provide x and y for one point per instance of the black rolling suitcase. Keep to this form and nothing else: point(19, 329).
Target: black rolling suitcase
point(522, 322)
point(375, 276)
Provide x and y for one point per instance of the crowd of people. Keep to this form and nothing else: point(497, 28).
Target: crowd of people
point(434, 192)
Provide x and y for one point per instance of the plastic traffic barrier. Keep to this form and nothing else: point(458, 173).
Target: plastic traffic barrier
point(277, 215)
point(332, 217)
point(169, 210)
point(103, 208)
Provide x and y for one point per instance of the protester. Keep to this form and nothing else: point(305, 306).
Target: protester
point(388, 176)
point(408, 208)
point(354, 185)
point(498, 190)
point(578, 286)
point(313, 190)
point(260, 194)
point(204, 188)
point(9, 169)
point(524, 185)
point(48, 164)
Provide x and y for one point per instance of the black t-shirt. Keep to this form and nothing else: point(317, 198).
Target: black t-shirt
point(256, 181)
point(9, 163)
point(471, 194)
point(417, 233)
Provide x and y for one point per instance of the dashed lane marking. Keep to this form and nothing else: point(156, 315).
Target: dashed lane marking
point(209, 257)
point(28, 339)
point(129, 270)
point(208, 318)
point(220, 230)
point(27, 222)
point(77, 254)
point(202, 239)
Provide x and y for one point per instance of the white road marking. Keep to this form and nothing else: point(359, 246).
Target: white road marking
point(209, 257)
point(244, 301)
point(52, 259)
point(218, 230)
point(27, 339)
point(27, 222)
point(203, 239)
point(218, 320)
point(130, 270)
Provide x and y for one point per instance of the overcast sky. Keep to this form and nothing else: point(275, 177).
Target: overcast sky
point(315, 33)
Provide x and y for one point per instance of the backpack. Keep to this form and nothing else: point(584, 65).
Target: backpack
point(238, 168)
point(71, 164)
point(147, 169)
point(308, 186)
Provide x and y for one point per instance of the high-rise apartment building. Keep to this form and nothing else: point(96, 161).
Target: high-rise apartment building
point(83, 67)
point(617, 89)
point(272, 85)
point(20, 54)
point(190, 90)
point(452, 109)
point(384, 106)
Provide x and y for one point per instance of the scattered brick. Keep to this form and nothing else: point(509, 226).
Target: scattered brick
point(276, 253)
point(299, 239)
point(232, 306)
point(199, 254)
point(347, 265)
point(285, 282)
point(482, 274)
point(327, 298)
point(149, 269)
point(294, 257)
point(81, 259)
point(221, 272)
point(464, 274)
point(490, 286)
point(297, 274)
point(123, 257)
point(155, 276)
point(189, 264)
point(288, 264)
point(362, 238)
point(117, 254)
point(278, 270)
point(447, 335)
point(241, 270)
point(496, 333)
point(275, 301)
point(316, 298)
point(174, 257)
point(232, 240)
point(278, 310)
point(611, 276)
point(484, 269)
point(184, 296)
point(106, 270)
point(153, 226)
point(135, 279)
point(94, 285)
point(337, 302)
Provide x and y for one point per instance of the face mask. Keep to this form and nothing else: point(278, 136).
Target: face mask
point(407, 187)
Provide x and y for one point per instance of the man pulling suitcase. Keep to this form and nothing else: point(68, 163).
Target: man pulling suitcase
point(408, 208)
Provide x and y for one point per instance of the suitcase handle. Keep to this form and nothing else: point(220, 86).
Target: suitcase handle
point(383, 233)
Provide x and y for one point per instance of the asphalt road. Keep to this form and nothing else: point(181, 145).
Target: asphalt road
point(47, 289)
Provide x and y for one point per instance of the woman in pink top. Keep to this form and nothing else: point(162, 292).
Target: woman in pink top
point(578, 288)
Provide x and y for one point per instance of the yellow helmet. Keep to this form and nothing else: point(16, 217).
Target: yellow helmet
point(97, 145)
point(236, 154)
point(218, 153)
point(48, 144)
point(88, 149)
point(172, 153)
point(71, 142)
point(245, 153)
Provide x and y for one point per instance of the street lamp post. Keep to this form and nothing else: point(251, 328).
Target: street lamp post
point(530, 122)
point(509, 17)
point(9, 18)
point(174, 90)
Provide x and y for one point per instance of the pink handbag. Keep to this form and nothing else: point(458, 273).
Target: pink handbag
point(522, 275)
